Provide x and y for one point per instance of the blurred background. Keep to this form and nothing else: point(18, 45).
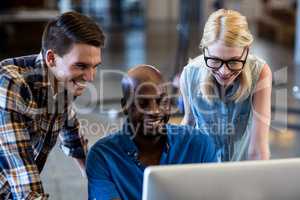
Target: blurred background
point(164, 34)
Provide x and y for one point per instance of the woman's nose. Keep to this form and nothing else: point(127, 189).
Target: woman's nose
point(224, 70)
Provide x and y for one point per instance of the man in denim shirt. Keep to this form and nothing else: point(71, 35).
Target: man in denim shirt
point(116, 163)
point(36, 93)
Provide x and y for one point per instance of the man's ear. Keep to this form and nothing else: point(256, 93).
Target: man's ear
point(124, 106)
point(50, 58)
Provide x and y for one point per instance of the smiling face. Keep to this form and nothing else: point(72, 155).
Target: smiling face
point(224, 75)
point(149, 110)
point(76, 68)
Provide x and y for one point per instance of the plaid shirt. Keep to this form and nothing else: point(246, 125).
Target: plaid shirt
point(31, 119)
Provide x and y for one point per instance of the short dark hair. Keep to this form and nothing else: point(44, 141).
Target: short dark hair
point(71, 27)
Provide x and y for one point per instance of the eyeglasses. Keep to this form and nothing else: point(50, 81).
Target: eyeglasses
point(232, 64)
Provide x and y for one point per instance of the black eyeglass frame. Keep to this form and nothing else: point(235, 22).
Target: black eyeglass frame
point(206, 58)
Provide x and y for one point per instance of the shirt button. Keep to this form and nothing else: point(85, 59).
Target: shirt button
point(135, 154)
point(128, 153)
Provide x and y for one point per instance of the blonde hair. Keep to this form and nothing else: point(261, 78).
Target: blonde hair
point(231, 28)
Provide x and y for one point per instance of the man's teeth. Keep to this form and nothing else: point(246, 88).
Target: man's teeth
point(80, 83)
point(156, 122)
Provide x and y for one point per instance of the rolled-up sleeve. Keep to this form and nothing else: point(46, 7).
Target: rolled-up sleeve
point(72, 142)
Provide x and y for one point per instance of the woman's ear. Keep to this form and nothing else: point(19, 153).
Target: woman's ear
point(50, 58)
point(124, 106)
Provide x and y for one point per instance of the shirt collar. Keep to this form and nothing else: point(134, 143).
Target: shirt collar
point(130, 146)
point(43, 70)
point(47, 77)
point(231, 90)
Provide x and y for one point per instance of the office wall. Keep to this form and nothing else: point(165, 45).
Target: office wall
point(167, 10)
point(251, 9)
point(161, 10)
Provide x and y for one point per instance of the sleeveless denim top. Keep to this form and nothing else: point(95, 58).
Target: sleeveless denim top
point(227, 122)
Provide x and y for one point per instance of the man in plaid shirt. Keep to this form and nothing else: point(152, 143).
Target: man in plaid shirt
point(36, 93)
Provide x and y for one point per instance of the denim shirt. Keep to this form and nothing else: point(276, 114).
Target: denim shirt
point(226, 121)
point(114, 170)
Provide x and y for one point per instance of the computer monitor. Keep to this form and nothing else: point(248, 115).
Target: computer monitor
point(248, 180)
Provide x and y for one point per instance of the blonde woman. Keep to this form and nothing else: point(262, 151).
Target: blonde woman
point(227, 90)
